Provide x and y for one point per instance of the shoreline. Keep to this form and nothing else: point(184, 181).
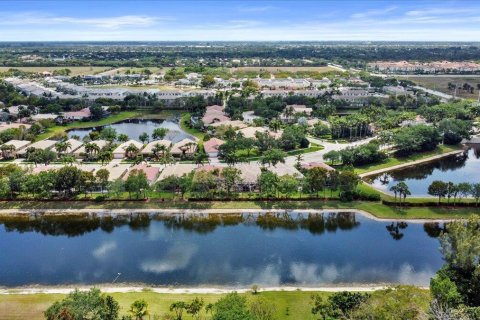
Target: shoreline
point(201, 212)
point(410, 164)
point(27, 290)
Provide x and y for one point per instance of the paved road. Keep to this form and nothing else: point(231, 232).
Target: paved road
point(436, 93)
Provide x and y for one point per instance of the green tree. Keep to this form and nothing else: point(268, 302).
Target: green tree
point(231, 177)
point(207, 81)
point(232, 307)
point(268, 183)
point(288, 184)
point(194, 307)
point(139, 309)
point(178, 307)
point(316, 180)
point(273, 157)
point(159, 133)
point(136, 183)
point(144, 137)
point(122, 137)
point(80, 305)
point(438, 189)
point(102, 176)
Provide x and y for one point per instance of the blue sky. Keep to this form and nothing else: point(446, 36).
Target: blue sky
point(239, 20)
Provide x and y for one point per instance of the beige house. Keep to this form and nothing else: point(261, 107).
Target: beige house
point(16, 146)
point(79, 153)
point(74, 145)
point(148, 150)
point(120, 151)
point(184, 147)
point(42, 145)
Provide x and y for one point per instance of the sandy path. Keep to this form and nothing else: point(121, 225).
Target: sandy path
point(187, 290)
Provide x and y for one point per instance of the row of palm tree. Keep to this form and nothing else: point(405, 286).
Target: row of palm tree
point(402, 190)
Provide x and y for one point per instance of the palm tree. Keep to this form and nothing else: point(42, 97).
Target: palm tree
point(275, 125)
point(131, 151)
point(7, 150)
point(403, 190)
point(201, 158)
point(395, 190)
point(91, 149)
point(105, 156)
point(139, 309)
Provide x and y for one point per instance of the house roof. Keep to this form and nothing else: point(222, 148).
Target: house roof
point(74, 145)
point(99, 143)
point(176, 149)
point(84, 113)
point(212, 145)
point(149, 147)
point(249, 132)
point(42, 144)
point(18, 144)
point(233, 123)
point(177, 170)
point(121, 148)
point(150, 172)
point(210, 118)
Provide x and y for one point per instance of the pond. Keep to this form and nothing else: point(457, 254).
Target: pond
point(219, 250)
point(458, 168)
point(133, 128)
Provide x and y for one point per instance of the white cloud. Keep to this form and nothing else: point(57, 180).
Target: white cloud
point(373, 13)
point(114, 22)
point(104, 249)
point(259, 9)
point(176, 258)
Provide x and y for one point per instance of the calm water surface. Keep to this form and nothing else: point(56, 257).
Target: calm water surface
point(135, 127)
point(237, 250)
point(461, 168)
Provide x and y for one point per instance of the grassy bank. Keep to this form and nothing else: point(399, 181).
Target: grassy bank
point(121, 116)
point(375, 208)
point(288, 305)
point(394, 161)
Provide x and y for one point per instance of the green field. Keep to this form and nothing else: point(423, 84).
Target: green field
point(76, 71)
point(440, 83)
point(288, 305)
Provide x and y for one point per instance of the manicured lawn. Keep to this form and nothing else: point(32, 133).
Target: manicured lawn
point(288, 305)
point(79, 124)
point(393, 161)
point(194, 132)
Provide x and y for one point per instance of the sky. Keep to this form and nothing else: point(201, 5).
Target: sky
point(152, 20)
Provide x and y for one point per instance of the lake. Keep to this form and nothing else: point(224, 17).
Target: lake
point(219, 250)
point(135, 127)
point(459, 168)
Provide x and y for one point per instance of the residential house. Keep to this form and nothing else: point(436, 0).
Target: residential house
point(150, 172)
point(42, 145)
point(121, 153)
point(77, 115)
point(148, 150)
point(16, 146)
point(80, 152)
point(185, 147)
point(211, 147)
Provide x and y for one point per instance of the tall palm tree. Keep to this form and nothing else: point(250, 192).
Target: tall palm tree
point(91, 149)
point(403, 190)
point(395, 190)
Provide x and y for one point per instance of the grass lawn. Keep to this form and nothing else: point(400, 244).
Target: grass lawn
point(441, 84)
point(184, 126)
point(288, 305)
point(393, 161)
point(289, 69)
